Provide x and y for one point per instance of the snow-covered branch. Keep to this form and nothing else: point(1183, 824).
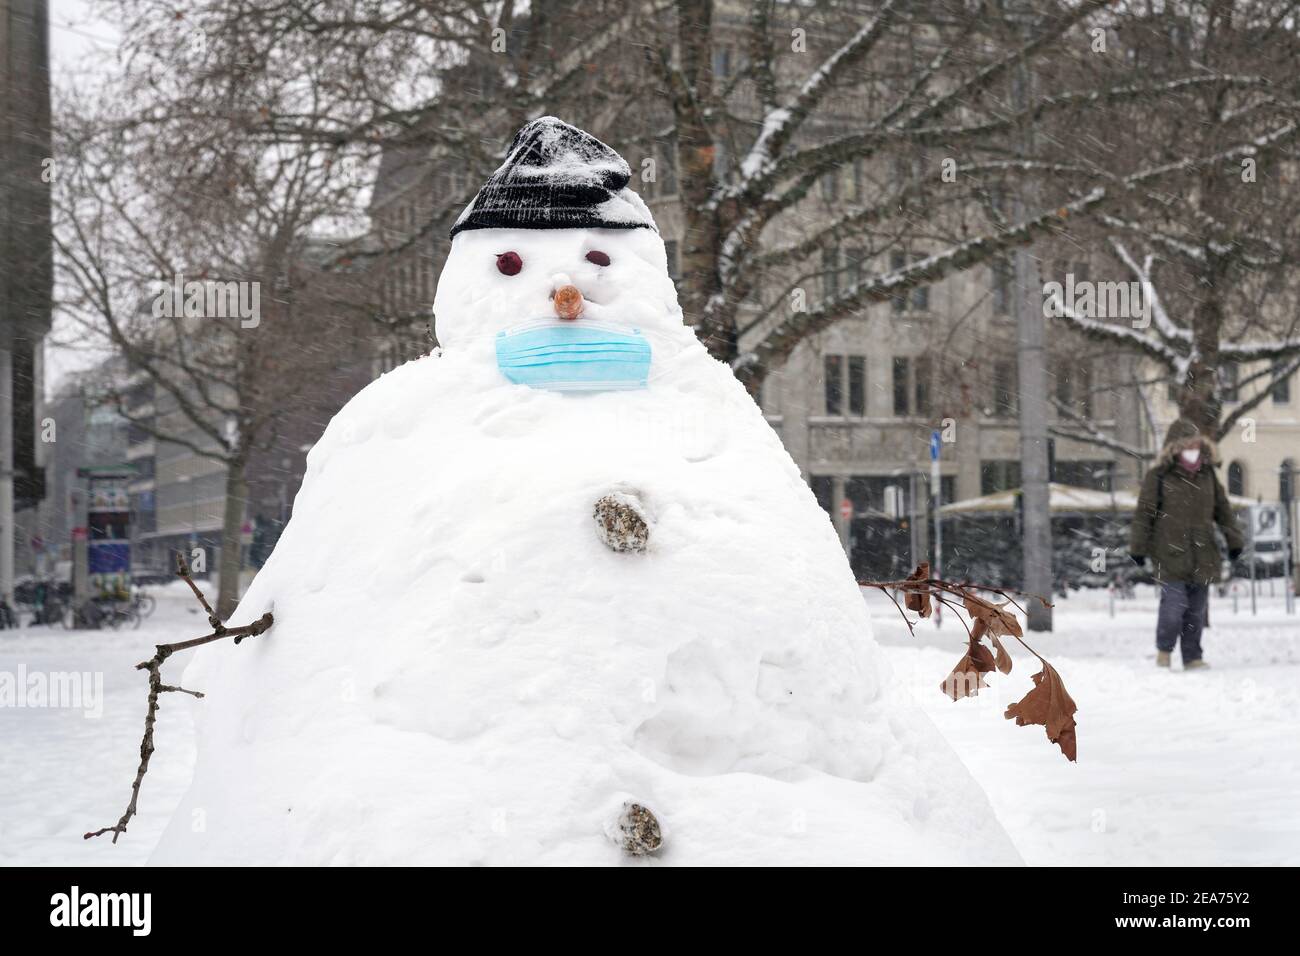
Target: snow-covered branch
point(1090, 434)
point(781, 123)
point(1245, 406)
point(1167, 329)
point(1116, 334)
point(781, 340)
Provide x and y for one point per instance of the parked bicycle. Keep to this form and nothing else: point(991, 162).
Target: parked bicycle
point(98, 613)
point(121, 614)
point(143, 604)
point(50, 612)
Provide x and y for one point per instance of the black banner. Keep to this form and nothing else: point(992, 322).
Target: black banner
point(1222, 907)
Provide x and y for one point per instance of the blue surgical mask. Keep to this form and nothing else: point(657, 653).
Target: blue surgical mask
point(574, 356)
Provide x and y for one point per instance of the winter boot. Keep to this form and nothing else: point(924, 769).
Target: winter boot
point(1196, 665)
point(1162, 658)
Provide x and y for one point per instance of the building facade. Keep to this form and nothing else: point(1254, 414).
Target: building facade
point(857, 404)
point(25, 264)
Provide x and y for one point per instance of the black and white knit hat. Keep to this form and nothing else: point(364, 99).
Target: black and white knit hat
point(556, 176)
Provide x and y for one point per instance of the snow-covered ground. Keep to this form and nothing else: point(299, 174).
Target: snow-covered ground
point(64, 770)
point(1196, 768)
point(1174, 768)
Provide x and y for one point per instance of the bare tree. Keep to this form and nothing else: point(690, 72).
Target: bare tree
point(949, 89)
point(1214, 251)
point(803, 93)
point(189, 253)
point(1171, 343)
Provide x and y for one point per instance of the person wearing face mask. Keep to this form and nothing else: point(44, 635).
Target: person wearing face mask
point(1180, 503)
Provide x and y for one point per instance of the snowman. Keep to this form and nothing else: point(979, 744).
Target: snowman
point(556, 594)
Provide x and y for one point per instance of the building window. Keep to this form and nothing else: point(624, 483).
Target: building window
point(897, 262)
point(1073, 386)
point(1064, 268)
point(1006, 389)
point(922, 371)
point(921, 298)
point(833, 370)
point(1286, 480)
point(855, 181)
point(857, 385)
point(1061, 381)
point(1236, 478)
point(999, 475)
point(1281, 390)
point(853, 268)
point(901, 369)
point(1083, 388)
point(722, 62)
point(830, 273)
point(1083, 474)
point(1001, 282)
point(668, 151)
point(878, 493)
point(1229, 374)
point(831, 185)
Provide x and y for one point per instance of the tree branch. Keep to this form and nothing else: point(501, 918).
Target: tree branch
point(157, 688)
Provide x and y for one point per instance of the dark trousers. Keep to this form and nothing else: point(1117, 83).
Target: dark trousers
point(1182, 616)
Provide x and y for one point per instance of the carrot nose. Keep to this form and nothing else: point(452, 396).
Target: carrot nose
point(568, 302)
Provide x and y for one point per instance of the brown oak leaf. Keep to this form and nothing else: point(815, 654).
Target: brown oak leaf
point(1002, 658)
point(1000, 621)
point(919, 601)
point(1049, 704)
point(967, 678)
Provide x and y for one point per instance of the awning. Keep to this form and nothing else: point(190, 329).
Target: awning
point(1063, 499)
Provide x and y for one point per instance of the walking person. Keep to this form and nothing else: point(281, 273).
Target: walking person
point(1181, 502)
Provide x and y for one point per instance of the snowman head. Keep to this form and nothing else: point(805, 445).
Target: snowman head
point(555, 235)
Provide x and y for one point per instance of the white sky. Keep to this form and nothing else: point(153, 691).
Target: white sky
point(82, 45)
point(80, 42)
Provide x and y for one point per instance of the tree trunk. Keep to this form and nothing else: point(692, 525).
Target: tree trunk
point(232, 527)
point(1199, 399)
point(1035, 469)
point(697, 151)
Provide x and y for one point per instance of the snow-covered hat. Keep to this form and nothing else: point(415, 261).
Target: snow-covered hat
point(557, 176)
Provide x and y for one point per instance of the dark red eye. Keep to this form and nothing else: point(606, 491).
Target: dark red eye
point(509, 263)
point(598, 257)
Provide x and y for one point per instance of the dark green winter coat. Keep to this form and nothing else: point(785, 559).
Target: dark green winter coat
point(1177, 511)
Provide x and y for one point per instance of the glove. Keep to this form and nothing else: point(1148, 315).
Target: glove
point(1139, 559)
point(1234, 554)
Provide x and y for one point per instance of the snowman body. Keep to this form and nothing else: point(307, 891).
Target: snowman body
point(462, 672)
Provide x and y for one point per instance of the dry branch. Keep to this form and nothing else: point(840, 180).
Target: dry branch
point(157, 688)
point(1048, 703)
